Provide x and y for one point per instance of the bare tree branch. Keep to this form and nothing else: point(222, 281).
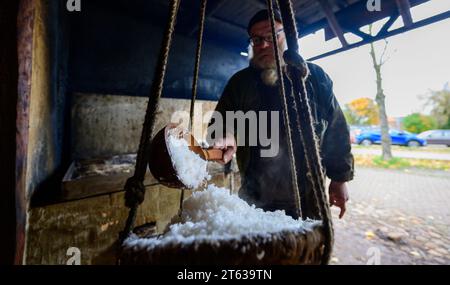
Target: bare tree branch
point(383, 53)
point(380, 99)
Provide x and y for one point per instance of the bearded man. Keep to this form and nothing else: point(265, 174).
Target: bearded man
point(266, 180)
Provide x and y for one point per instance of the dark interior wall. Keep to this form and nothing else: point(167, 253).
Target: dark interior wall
point(8, 102)
point(59, 35)
point(111, 47)
point(114, 51)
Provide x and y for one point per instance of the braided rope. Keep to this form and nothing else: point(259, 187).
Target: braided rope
point(285, 111)
point(197, 61)
point(195, 78)
point(134, 186)
point(307, 134)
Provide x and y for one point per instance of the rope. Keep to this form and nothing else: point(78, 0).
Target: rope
point(195, 78)
point(287, 121)
point(134, 187)
point(298, 69)
point(197, 61)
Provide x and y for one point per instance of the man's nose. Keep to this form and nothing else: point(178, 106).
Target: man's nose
point(265, 45)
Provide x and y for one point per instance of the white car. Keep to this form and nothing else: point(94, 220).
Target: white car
point(436, 137)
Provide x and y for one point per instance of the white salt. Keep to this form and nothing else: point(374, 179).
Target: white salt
point(189, 166)
point(214, 214)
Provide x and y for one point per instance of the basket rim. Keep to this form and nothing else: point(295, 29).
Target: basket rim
point(311, 226)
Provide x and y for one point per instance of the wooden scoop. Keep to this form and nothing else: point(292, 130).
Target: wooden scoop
point(160, 162)
point(209, 154)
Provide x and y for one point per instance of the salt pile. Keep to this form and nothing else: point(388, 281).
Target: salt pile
point(190, 167)
point(215, 214)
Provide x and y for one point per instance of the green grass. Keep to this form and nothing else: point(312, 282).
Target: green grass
point(401, 163)
point(394, 162)
point(435, 149)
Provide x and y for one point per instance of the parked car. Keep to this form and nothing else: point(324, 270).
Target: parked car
point(436, 137)
point(397, 137)
point(356, 130)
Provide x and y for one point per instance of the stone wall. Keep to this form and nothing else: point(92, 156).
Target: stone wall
point(93, 224)
point(104, 125)
point(100, 126)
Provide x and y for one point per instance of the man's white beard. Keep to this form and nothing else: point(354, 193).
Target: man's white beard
point(269, 76)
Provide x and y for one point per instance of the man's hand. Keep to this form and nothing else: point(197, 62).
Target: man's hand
point(338, 195)
point(296, 60)
point(228, 144)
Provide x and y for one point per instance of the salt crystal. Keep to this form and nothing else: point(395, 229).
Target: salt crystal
point(215, 214)
point(189, 166)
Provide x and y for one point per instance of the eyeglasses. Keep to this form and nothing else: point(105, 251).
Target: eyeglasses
point(258, 40)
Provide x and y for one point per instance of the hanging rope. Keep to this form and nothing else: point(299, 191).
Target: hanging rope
point(197, 61)
point(195, 79)
point(286, 116)
point(297, 69)
point(134, 187)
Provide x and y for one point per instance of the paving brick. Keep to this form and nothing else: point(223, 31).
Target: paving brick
point(412, 202)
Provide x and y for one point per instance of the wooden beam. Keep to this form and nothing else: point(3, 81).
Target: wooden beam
point(404, 9)
point(333, 22)
point(418, 24)
point(8, 102)
point(359, 33)
point(25, 30)
point(388, 24)
point(356, 16)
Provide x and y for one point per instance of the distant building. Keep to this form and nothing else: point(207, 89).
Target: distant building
point(396, 122)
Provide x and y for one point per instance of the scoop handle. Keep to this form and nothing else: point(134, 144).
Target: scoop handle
point(213, 154)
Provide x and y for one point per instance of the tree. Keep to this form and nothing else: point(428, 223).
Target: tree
point(362, 111)
point(417, 123)
point(380, 98)
point(351, 117)
point(439, 101)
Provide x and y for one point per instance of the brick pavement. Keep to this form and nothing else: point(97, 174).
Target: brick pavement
point(402, 217)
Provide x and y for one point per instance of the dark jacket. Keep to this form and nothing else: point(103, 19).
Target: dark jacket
point(266, 181)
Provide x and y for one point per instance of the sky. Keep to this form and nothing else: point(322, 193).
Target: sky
point(419, 61)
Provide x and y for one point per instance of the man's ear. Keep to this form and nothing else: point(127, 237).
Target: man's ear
point(250, 52)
